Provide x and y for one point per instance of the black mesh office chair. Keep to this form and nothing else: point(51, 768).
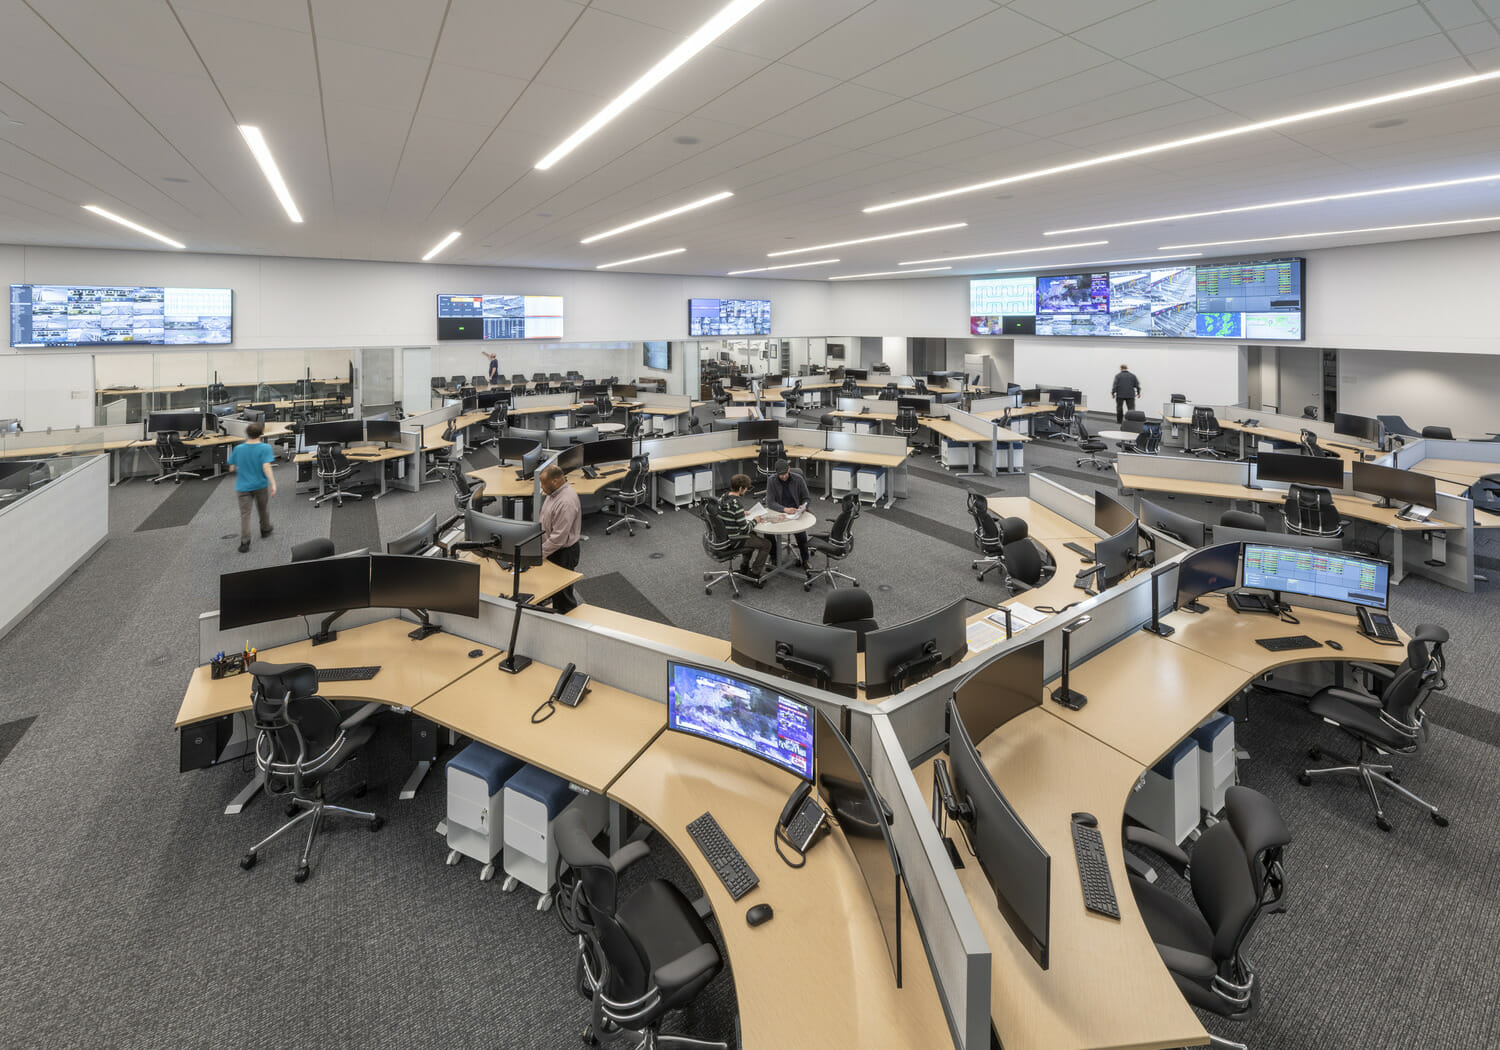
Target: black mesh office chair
point(1235, 874)
point(1027, 563)
point(439, 383)
point(890, 392)
point(721, 397)
point(1308, 442)
point(988, 539)
point(463, 491)
point(771, 450)
point(792, 397)
point(836, 544)
point(850, 387)
point(1134, 419)
point(1309, 411)
point(172, 455)
point(300, 739)
point(919, 388)
point(1390, 721)
point(479, 381)
point(1206, 429)
point(496, 425)
point(1243, 519)
point(1439, 433)
point(907, 425)
point(1063, 418)
point(1309, 511)
point(1093, 446)
point(605, 407)
point(1147, 442)
point(853, 610)
point(518, 379)
point(638, 958)
point(541, 386)
point(721, 547)
point(312, 550)
point(634, 490)
point(333, 469)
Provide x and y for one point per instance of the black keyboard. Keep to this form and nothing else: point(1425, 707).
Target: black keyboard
point(727, 863)
point(1291, 641)
point(1093, 870)
point(348, 674)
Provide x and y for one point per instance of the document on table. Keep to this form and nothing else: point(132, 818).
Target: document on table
point(987, 632)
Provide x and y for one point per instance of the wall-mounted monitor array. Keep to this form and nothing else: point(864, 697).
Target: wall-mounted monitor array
point(709, 317)
point(499, 316)
point(657, 354)
point(104, 315)
point(1239, 300)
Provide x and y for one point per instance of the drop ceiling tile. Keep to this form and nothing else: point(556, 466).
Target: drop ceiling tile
point(827, 111)
point(1027, 110)
point(469, 96)
point(971, 47)
point(765, 95)
point(410, 27)
point(251, 56)
point(1054, 60)
point(894, 119)
point(1160, 22)
point(1476, 39)
point(370, 77)
point(880, 31)
point(1075, 15)
point(941, 133)
point(1184, 119)
point(283, 14)
point(1301, 80)
point(513, 37)
point(1452, 14)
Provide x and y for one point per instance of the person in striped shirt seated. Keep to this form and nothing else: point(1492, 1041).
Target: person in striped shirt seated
point(732, 514)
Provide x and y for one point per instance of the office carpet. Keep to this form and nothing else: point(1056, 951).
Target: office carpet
point(182, 506)
point(129, 923)
point(611, 590)
point(355, 525)
point(11, 734)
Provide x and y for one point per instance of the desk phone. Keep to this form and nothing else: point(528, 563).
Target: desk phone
point(570, 687)
point(801, 818)
point(1376, 625)
point(1246, 601)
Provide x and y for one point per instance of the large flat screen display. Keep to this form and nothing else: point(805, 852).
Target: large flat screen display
point(500, 316)
point(1073, 304)
point(1250, 300)
point(107, 314)
point(1000, 305)
point(710, 317)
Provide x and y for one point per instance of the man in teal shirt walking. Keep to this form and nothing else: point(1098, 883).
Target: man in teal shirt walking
point(253, 481)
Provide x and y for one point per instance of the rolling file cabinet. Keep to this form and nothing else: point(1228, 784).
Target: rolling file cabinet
point(477, 776)
point(872, 484)
point(676, 486)
point(533, 799)
point(1215, 740)
point(1167, 800)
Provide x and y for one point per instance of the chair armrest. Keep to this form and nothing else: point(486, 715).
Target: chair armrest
point(1354, 696)
point(1158, 844)
point(1386, 671)
point(682, 971)
point(1189, 964)
point(627, 855)
point(361, 716)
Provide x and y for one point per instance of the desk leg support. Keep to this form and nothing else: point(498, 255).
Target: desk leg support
point(247, 793)
point(1398, 556)
point(418, 774)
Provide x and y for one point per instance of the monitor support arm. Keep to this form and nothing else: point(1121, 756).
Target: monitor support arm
point(425, 628)
point(821, 673)
point(324, 634)
point(929, 656)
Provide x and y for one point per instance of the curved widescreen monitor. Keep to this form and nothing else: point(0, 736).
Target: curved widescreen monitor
point(109, 314)
point(708, 317)
point(1205, 571)
point(1338, 577)
point(814, 653)
point(741, 714)
point(499, 316)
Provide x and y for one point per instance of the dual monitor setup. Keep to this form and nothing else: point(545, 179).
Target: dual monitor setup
point(1390, 485)
point(351, 432)
point(1350, 579)
point(185, 423)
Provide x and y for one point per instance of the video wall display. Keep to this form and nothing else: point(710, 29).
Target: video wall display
point(500, 316)
point(43, 315)
point(1245, 300)
point(710, 317)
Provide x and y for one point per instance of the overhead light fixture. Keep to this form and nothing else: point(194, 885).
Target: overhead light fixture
point(1195, 140)
point(868, 240)
point(1016, 251)
point(710, 31)
point(888, 273)
point(262, 154)
point(1333, 233)
point(783, 266)
point(1279, 204)
point(1101, 262)
point(640, 258)
point(440, 245)
point(137, 227)
point(648, 220)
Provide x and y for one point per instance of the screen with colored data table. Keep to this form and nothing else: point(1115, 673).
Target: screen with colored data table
point(1316, 574)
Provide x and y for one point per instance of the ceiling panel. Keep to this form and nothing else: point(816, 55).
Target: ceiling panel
point(828, 111)
point(882, 30)
point(1041, 65)
point(1451, 14)
point(1073, 16)
point(513, 37)
point(971, 47)
point(765, 95)
point(1040, 106)
point(410, 27)
point(1159, 22)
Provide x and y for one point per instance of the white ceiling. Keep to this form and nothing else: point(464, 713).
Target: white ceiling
point(396, 121)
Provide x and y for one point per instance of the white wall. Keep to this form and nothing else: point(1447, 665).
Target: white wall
point(1461, 396)
point(1212, 374)
point(1299, 379)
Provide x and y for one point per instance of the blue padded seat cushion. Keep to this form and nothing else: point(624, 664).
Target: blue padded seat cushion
point(495, 768)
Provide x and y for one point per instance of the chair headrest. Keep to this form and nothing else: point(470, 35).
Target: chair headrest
point(1014, 529)
point(1257, 824)
point(277, 680)
point(308, 550)
point(1430, 633)
point(846, 604)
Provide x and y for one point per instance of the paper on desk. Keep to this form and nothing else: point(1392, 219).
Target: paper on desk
point(1022, 616)
point(983, 634)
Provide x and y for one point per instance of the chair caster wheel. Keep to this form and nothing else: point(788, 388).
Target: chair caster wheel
point(806, 587)
point(247, 861)
point(853, 583)
point(301, 873)
point(376, 823)
point(1440, 820)
point(453, 858)
point(359, 790)
point(290, 809)
point(588, 1036)
point(1393, 778)
point(1382, 824)
point(1315, 753)
point(1304, 779)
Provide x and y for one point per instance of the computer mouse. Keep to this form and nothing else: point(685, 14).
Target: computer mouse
point(1088, 820)
point(475, 654)
point(758, 914)
point(1333, 644)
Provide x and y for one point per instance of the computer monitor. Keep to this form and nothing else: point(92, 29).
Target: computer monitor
point(608, 450)
point(417, 540)
point(182, 422)
point(757, 430)
point(1018, 869)
point(739, 382)
point(491, 398)
point(923, 405)
point(513, 448)
point(936, 379)
point(805, 652)
point(252, 417)
point(297, 589)
point(562, 437)
point(865, 819)
point(266, 409)
point(895, 657)
point(1111, 517)
point(1226, 534)
point(507, 540)
point(1327, 471)
point(1205, 571)
point(1180, 527)
point(1031, 395)
point(857, 373)
point(590, 390)
point(1316, 574)
point(523, 434)
point(1003, 688)
point(424, 585)
point(1362, 427)
point(741, 714)
point(343, 431)
point(770, 382)
point(386, 430)
point(624, 391)
point(1117, 554)
point(531, 460)
point(1403, 486)
point(570, 459)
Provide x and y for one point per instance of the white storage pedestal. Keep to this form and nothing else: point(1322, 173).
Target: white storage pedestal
point(1167, 801)
point(533, 799)
point(476, 795)
point(1215, 740)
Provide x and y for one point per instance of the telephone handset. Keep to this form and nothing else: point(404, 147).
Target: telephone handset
point(570, 686)
point(801, 818)
point(1376, 625)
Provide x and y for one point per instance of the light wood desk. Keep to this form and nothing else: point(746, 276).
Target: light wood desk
point(540, 581)
point(1052, 531)
point(1230, 637)
point(364, 454)
point(690, 641)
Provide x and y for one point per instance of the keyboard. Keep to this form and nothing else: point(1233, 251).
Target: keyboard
point(1093, 870)
point(1291, 641)
point(727, 863)
point(348, 674)
point(1080, 550)
point(573, 691)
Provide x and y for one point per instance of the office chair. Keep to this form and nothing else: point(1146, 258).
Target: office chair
point(1389, 722)
point(635, 426)
point(1235, 874)
point(172, 455)
point(457, 382)
point(1485, 493)
point(556, 377)
point(721, 547)
point(638, 958)
point(479, 381)
point(853, 610)
point(988, 538)
point(1309, 411)
point(496, 425)
point(1093, 446)
point(333, 468)
point(1206, 428)
point(518, 379)
point(1063, 418)
point(721, 397)
point(1027, 564)
point(850, 387)
point(1243, 519)
point(890, 392)
point(1395, 426)
point(1308, 442)
point(1440, 433)
point(907, 425)
point(439, 383)
point(537, 377)
point(302, 737)
point(919, 388)
point(836, 544)
point(1309, 511)
point(1178, 399)
point(1134, 419)
point(829, 421)
point(541, 386)
point(312, 550)
point(792, 397)
point(449, 458)
point(771, 450)
point(1147, 442)
point(634, 490)
point(605, 407)
point(463, 491)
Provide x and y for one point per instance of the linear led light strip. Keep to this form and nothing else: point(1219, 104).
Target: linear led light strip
point(1213, 136)
point(137, 227)
point(867, 240)
point(658, 217)
point(640, 258)
point(783, 266)
point(710, 31)
point(1331, 233)
point(1100, 262)
point(1014, 251)
point(1279, 204)
point(440, 245)
point(262, 154)
point(888, 273)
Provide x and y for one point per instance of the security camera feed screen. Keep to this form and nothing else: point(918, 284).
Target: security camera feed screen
point(500, 316)
point(729, 317)
point(104, 315)
point(1153, 302)
point(1252, 300)
point(1001, 305)
point(743, 715)
point(1073, 304)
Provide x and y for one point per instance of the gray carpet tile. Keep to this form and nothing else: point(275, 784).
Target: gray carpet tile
point(611, 590)
point(186, 499)
point(356, 524)
point(11, 733)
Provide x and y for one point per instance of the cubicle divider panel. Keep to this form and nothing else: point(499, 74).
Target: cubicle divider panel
point(1180, 468)
point(50, 531)
point(873, 443)
point(1456, 568)
point(664, 402)
point(1465, 451)
point(523, 405)
point(1060, 499)
point(73, 437)
point(436, 418)
point(689, 444)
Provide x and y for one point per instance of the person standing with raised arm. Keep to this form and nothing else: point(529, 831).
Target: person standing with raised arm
point(494, 367)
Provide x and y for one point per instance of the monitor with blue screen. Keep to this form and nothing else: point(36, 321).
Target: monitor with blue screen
point(1316, 574)
point(741, 714)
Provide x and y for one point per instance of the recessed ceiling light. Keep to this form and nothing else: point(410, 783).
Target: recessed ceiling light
point(1013, 251)
point(1102, 262)
point(659, 216)
point(676, 58)
point(783, 266)
point(1334, 233)
point(1393, 122)
point(640, 258)
point(888, 273)
point(1194, 140)
point(440, 245)
point(172, 178)
point(262, 153)
point(687, 140)
point(867, 240)
point(1167, 219)
point(137, 227)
